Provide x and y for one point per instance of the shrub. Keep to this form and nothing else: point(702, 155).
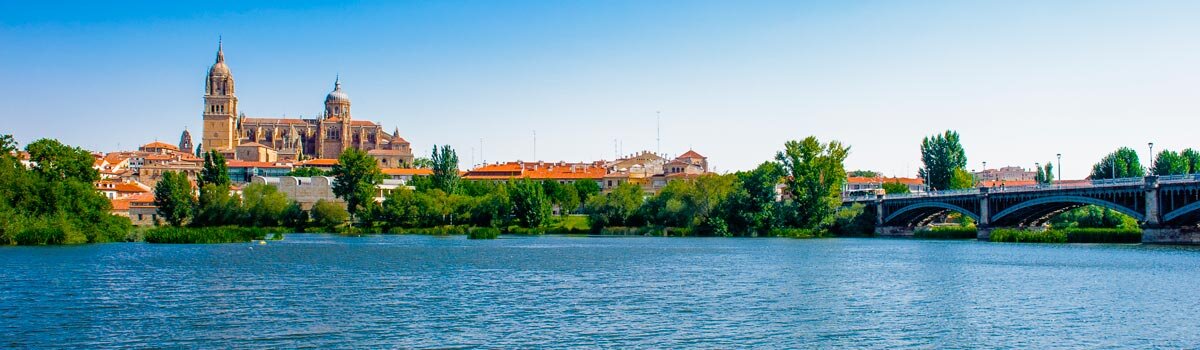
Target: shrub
point(947, 232)
point(794, 232)
point(227, 234)
point(1103, 235)
point(328, 214)
point(484, 233)
point(1028, 236)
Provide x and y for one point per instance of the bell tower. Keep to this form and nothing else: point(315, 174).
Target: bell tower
point(220, 107)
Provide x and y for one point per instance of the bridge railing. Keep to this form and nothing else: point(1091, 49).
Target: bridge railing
point(1082, 184)
point(1179, 178)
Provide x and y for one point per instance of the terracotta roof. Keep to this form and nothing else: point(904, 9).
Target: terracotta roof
point(120, 204)
point(252, 144)
point(362, 123)
point(320, 162)
point(128, 187)
point(393, 152)
point(869, 180)
point(143, 200)
point(537, 171)
point(690, 154)
point(246, 164)
point(414, 172)
point(158, 144)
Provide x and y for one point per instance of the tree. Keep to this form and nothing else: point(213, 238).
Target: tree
point(8, 145)
point(1048, 171)
point(307, 171)
point(562, 195)
point(585, 189)
point(173, 196)
point(750, 208)
point(328, 214)
point(265, 205)
point(1121, 163)
point(864, 173)
point(295, 217)
point(815, 177)
point(445, 169)
point(56, 161)
point(422, 163)
point(617, 208)
point(942, 155)
point(1170, 163)
point(215, 171)
point(401, 208)
point(217, 207)
point(530, 205)
point(355, 177)
point(895, 188)
point(1193, 160)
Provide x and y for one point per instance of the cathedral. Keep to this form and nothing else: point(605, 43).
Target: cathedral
point(277, 139)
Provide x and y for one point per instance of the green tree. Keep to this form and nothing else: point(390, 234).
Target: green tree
point(173, 196)
point(56, 161)
point(265, 205)
point(445, 169)
point(864, 173)
point(354, 179)
point(401, 208)
point(895, 188)
point(215, 171)
point(422, 163)
point(619, 207)
point(328, 215)
point(530, 205)
point(562, 195)
point(307, 171)
point(295, 217)
point(1193, 160)
point(942, 155)
point(815, 177)
point(750, 207)
point(217, 207)
point(1170, 163)
point(585, 189)
point(1048, 173)
point(1121, 163)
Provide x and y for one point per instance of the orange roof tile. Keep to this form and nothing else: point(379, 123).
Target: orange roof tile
point(158, 144)
point(413, 172)
point(1010, 183)
point(248, 164)
point(536, 171)
point(690, 154)
point(320, 162)
point(120, 204)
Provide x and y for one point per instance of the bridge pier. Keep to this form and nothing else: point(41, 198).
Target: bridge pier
point(983, 233)
point(1171, 235)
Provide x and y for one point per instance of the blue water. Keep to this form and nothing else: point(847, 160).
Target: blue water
point(421, 292)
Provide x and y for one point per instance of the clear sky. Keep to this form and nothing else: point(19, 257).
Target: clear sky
point(1020, 80)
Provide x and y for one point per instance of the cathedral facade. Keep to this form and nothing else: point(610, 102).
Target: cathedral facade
point(333, 131)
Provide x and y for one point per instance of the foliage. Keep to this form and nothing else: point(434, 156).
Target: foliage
point(422, 163)
point(215, 171)
point(208, 235)
point(328, 215)
point(816, 174)
point(947, 232)
point(445, 169)
point(563, 195)
point(295, 217)
point(853, 220)
point(173, 196)
point(483, 233)
point(1093, 216)
point(1028, 236)
point(1170, 163)
point(750, 207)
point(55, 201)
point(693, 204)
point(863, 173)
point(529, 202)
point(355, 178)
point(264, 205)
point(217, 207)
point(1103, 235)
point(1045, 174)
point(1121, 163)
point(585, 189)
point(307, 171)
point(942, 156)
point(1193, 160)
point(619, 207)
point(895, 188)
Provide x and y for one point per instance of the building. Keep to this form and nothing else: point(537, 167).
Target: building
point(653, 172)
point(869, 186)
point(1008, 173)
point(405, 174)
point(185, 142)
point(306, 191)
point(333, 131)
point(241, 171)
point(562, 172)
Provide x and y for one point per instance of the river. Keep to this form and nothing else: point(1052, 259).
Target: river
point(422, 291)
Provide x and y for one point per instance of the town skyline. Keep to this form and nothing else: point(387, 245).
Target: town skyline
point(733, 86)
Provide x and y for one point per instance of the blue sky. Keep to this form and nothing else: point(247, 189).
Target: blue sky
point(1020, 80)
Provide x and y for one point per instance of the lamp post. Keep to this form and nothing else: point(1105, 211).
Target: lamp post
point(1060, 167)
point(1151, 157)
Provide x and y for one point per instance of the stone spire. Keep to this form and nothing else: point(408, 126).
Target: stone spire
point(220, 50)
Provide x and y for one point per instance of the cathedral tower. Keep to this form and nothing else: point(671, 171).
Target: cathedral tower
point(220, 107)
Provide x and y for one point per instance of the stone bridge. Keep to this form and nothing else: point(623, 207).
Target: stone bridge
point(1168, 208)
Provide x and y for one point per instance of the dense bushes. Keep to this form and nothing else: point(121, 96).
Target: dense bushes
point(227, 234)
point(483, 233)
point(1069, 235)
point(54, 201)
point(1028, 236)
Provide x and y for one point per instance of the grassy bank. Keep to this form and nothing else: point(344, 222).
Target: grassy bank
point(1068, 235)
point(947, 232)
point(226, 234)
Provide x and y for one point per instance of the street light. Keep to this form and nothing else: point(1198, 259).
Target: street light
point(1060, 167)
point(1151, 156)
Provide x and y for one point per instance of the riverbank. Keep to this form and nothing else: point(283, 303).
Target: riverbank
point(209, 235)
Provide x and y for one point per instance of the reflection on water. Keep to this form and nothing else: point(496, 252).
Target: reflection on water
point(420, 291)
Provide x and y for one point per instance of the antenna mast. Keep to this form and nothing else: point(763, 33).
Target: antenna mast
point(658, 132)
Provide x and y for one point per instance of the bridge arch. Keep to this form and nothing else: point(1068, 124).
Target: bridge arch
point(1188, 211)
point(921, 209)
point(1053, 204)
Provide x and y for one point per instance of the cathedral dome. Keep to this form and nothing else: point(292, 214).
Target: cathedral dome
point(337, 95)
point(219, 68)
